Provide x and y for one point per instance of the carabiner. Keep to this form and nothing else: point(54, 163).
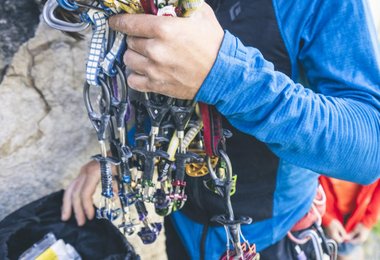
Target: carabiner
point(54, 22)
point(105, 104)
point(100, 120)
point(68, 5)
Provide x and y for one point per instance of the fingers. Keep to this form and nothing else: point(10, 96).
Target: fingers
point(136, 62)
point(353, 234)
point(78, 195)
point(77, 203)
point(139, 45)
point(138, 82)
point(88, 189)
point(66, 203)
point(356, 237)
point(337, 237)
point(140, 25)
point(336, 231)
point(359, 235)
point(342, 234)
point(174, 59)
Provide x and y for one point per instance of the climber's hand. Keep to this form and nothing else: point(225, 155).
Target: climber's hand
point(336, 231)
point(359, 234)
point(170, 55)
point(78, 195)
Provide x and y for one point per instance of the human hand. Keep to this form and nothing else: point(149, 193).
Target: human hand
point(78, 195)
point(170, 55)
point(359, 234)
point(336, 231)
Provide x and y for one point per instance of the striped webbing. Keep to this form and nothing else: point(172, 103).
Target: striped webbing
point(97, 47)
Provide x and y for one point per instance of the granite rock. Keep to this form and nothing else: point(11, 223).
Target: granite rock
point(45, 134)
point(18, 21)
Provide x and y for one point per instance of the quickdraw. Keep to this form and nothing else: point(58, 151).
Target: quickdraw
point(185, 138)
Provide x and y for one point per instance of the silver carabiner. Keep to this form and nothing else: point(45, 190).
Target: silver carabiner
point(54, 22)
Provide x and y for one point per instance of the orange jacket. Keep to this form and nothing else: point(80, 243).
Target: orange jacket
point(367, 205)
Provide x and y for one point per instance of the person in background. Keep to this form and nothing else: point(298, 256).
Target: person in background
point(351, 212)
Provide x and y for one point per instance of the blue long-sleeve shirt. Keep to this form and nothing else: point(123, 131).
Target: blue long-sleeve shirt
point(330, 125)
point(323, 118)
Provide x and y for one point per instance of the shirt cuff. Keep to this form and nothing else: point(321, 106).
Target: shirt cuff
point(221, 76)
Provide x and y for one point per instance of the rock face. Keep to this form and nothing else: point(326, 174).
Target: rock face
point(45, 134)
point(44, 125)
point(18, 20)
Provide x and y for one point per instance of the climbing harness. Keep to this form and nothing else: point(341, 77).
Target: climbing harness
point(312, 231)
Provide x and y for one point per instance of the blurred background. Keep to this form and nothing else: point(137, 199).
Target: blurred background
point(45, 134)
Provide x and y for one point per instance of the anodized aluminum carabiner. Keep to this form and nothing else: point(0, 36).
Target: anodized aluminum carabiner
point(68, 5)
point(54, 22)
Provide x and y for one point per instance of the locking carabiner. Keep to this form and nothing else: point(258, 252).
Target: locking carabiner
point(54, 22)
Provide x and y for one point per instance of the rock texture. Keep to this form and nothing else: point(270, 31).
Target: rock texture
point(18, 20)
point(44, 126)
point(45, 134)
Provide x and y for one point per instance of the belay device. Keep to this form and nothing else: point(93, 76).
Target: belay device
point(172, 137)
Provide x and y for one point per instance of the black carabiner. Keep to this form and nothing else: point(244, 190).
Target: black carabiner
point(99, 121)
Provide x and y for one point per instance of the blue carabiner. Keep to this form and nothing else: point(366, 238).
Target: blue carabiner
point(69, 5)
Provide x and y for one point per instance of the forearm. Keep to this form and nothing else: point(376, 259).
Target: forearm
point(334, 135)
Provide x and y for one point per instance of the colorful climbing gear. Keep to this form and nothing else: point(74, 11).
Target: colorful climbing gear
point(174, 139)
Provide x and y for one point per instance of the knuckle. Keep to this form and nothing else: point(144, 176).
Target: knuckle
point(76, 195)
point(93, 167)
point(121, 23)
point(152, 51)
point(157, 54)
point(150, 71)
point(163, 29)
point(116, 22)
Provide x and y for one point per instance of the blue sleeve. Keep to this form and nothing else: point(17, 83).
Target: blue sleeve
point(333, 130)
